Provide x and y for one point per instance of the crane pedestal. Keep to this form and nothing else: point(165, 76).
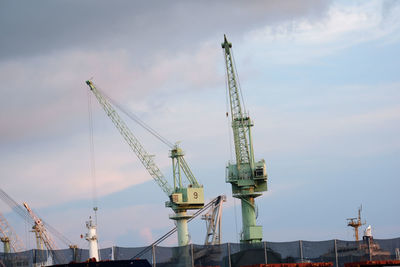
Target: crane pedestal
point(251, 232)
point(181, 219)
point(6, 243)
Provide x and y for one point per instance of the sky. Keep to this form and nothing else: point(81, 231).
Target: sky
point(319, 79)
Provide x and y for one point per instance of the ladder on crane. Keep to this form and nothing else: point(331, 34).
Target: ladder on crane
point(181, 198)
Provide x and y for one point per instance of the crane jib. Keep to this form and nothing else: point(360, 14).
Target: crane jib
point(180, 198)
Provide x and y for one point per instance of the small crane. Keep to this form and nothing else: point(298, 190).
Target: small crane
point(42, 236)
point(247, 177)
point(356, 223)
point(11, 241)
point(181, 198)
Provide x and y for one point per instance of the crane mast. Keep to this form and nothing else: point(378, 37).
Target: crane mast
point(181, 198)
point(247, 177)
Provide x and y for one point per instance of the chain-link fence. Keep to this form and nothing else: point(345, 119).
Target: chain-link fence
point(338, 252)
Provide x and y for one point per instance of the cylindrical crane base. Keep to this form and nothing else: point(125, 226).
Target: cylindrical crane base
point(182, 228)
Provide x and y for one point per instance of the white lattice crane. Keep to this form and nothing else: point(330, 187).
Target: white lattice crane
point(41, 229)
point(42, 236)
point(11, 241)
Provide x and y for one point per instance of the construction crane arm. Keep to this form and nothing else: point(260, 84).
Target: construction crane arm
point(133, 142)
point(240, 121)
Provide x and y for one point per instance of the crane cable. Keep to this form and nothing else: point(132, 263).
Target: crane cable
point(136, 119)
point(230, 139)
point(92, 156)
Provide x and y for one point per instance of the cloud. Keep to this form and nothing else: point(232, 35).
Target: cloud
point(316, 122)
point(147, 235)
point(344, 26)
point(57, 174)
point(98, 25)
point(163, 62)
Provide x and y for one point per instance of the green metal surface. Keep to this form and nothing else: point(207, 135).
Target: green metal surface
point(181, 197)
point(6, 244)
point(247, 177)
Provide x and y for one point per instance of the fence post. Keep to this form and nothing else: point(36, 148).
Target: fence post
point(74, 256)
point(336, 254)
point(301, 250)
point(191, 250)
point(369, 248)
point(229, 255)
point(153, 252)
point(265, 252)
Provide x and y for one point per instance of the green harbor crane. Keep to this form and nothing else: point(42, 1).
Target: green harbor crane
point(181, 198)
point(247, 177)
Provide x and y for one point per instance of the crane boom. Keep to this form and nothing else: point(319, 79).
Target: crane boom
point(247, 177)
point(133, 142)
point(240, 121)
